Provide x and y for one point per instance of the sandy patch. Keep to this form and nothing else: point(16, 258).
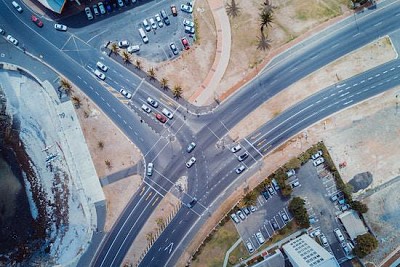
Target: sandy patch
point(117, 197)
point(365, 58)
point(165, 210)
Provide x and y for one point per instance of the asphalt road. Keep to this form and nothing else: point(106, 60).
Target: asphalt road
point(164, 145)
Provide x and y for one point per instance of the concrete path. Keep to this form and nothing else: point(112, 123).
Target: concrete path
point(116, 176)
point(209, 86)
point(230, 250)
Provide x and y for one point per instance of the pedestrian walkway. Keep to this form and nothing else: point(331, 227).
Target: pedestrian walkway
point(230, 250)
point(119, 175)
point(210, 84)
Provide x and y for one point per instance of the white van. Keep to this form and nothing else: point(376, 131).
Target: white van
point(17, 7)
point(339, 235)
point(143, 35)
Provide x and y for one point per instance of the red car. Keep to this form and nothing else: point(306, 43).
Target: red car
point(161, 118)
point(185, 43)
point(37, 21)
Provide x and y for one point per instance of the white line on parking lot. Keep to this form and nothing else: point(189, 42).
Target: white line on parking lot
point(266, 230)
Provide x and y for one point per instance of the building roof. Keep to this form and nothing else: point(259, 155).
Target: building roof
point(304, 251)
point(272, 260)
point(353, 224)
point(54, 5)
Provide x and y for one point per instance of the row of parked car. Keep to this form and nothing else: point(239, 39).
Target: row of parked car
point(242, 214)
point(108, 6)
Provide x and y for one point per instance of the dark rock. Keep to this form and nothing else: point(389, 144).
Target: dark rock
point(361, 181)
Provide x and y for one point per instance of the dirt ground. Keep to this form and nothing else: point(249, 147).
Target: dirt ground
point(168, 207)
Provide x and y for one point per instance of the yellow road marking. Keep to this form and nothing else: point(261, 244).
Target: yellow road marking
point(260, 143)
point(149, 195)
point(141, 193)
point(169, 103)
point(155, 201)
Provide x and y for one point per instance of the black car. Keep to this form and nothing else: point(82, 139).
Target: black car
point(265, 194)
point(192, 203)
point(275, 225)
point(243, 156)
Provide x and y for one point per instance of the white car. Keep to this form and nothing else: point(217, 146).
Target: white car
point(146, 108)
point(96, 10)
point(295, 184)
point(187, 22)
point(99, 75)
point(101, 7)
point(235, 218)
point(240, 169)
point(101, 66)
point(189, 29)
point(167, 113)
point(241, 215)
point(236, 148)
point(120, 3)
point(60, 27)
point(125, 93)
point(173, 48)
point(12, 39)
point(186, 8)
point(191, 147)
point(150, 167)
point(191, 161)
point(89, 14)
point(133, 48)
point(249, 247)
point(260, 238)
point(153, 23)
point(317, 155)
point(146, 25)
point(152, 102)
point(290, 173)
point(123, 44)
point(318, 161)
point(159, 20)
point(323, 240)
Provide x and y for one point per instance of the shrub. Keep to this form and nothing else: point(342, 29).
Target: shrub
point(365, 244)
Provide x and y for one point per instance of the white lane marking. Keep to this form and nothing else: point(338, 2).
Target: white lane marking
point(370, 78)
point(333, 94)
point(341, 85)
point(385, 72)
point(340, 91)
point(363, 81)
point(347, 88)
point(355, 84)
point(102, 98)
point(96, 93)
point(79, 77)
point(318, 101)
point(344, 94)
point(125, 121)
point(379, 23)
point(119, 116)
point(108, 104)
point(325, 98)
point(356, 34)
point(335, 45)
point(377, 75)
point(114, 110)
point(392, 69)
point(348, 102)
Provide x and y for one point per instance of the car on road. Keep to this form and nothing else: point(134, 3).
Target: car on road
point(165, 17)
point(88, 13)
point(161, 118)
point(95, 10)
point(99, 75)
point(12, 39)
point(186, 8)
point(295, 184)
point(290, 173)
point(191, 147)
point(60, 27)
point(244, 156)
point(101, 66)
point(17, 7)
point(324, 240)
point(249, 247)
point(185, 43)
point(235, 218)
point(146, 108)
point(339, 234)
point(173, 48)
point(159, 21)
point(317, 155)
point(146, 25)
point(190, 162)
point(150, 167)
point(2, 32)
point(265, 195)
point(318, 161)
point(167, 113)
point(284, 217)
point(133, 48)
point(153, 23)
point(189, 29)
point(152, 102)
point(241, 215)
point(240, 169)
point(101, 8)
point(236, 148)
point(125, 93)
point(174, 10)
point(192, 203)
point(187, 22)
point(346, 248)
point(123, 44)
point(260, 238)
point(275, 225)
point(37, 21)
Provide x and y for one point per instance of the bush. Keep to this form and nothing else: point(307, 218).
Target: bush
point(365, 244)
point(359, 206)
point(294, 163)
point(297, 208)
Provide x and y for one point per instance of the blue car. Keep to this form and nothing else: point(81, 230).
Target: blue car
point(265, 195)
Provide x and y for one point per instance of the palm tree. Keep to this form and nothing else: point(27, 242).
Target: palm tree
point(151, 73)
point(232, 9)
point(266, 17)
point(164, 83)
point(263, 42)
point(114, 48)
point(138, 64)
point(100, 144)
point(177, 92)
point(66, 86)
point(126, 57)
point(250, 199)
point(149, 236)
point(77, 101)
point(108, 164)
point(160, 222)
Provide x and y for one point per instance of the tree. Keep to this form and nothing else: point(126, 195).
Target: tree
point(108, 164)
point(177, 92)
point(149, 236)
point(164, 83)
point(66, 86)
point(151, 73)
point(138, 64)
point(266, 17)
point(263, 42)
point(359, 206)
point(249, 199)
point(232, 9)
point(77, 101)
point(160, 222)
point(365, 244)
point(100, 144)
point(297, 208)
point(114, 48)
point(126, 57)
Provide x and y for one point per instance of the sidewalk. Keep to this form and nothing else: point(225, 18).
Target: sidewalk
point(210, 84)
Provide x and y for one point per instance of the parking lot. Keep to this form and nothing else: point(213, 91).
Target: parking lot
point(317, 187)
point(123, 23)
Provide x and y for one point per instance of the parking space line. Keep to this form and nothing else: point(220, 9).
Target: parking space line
point(266, 230)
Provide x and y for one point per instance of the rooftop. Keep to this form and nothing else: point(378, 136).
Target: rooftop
point(353, 224)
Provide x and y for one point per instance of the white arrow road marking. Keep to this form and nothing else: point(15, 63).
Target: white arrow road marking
point(170, 248)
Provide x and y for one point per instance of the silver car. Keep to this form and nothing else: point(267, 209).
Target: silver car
point(88, 13)
point(190, 162)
